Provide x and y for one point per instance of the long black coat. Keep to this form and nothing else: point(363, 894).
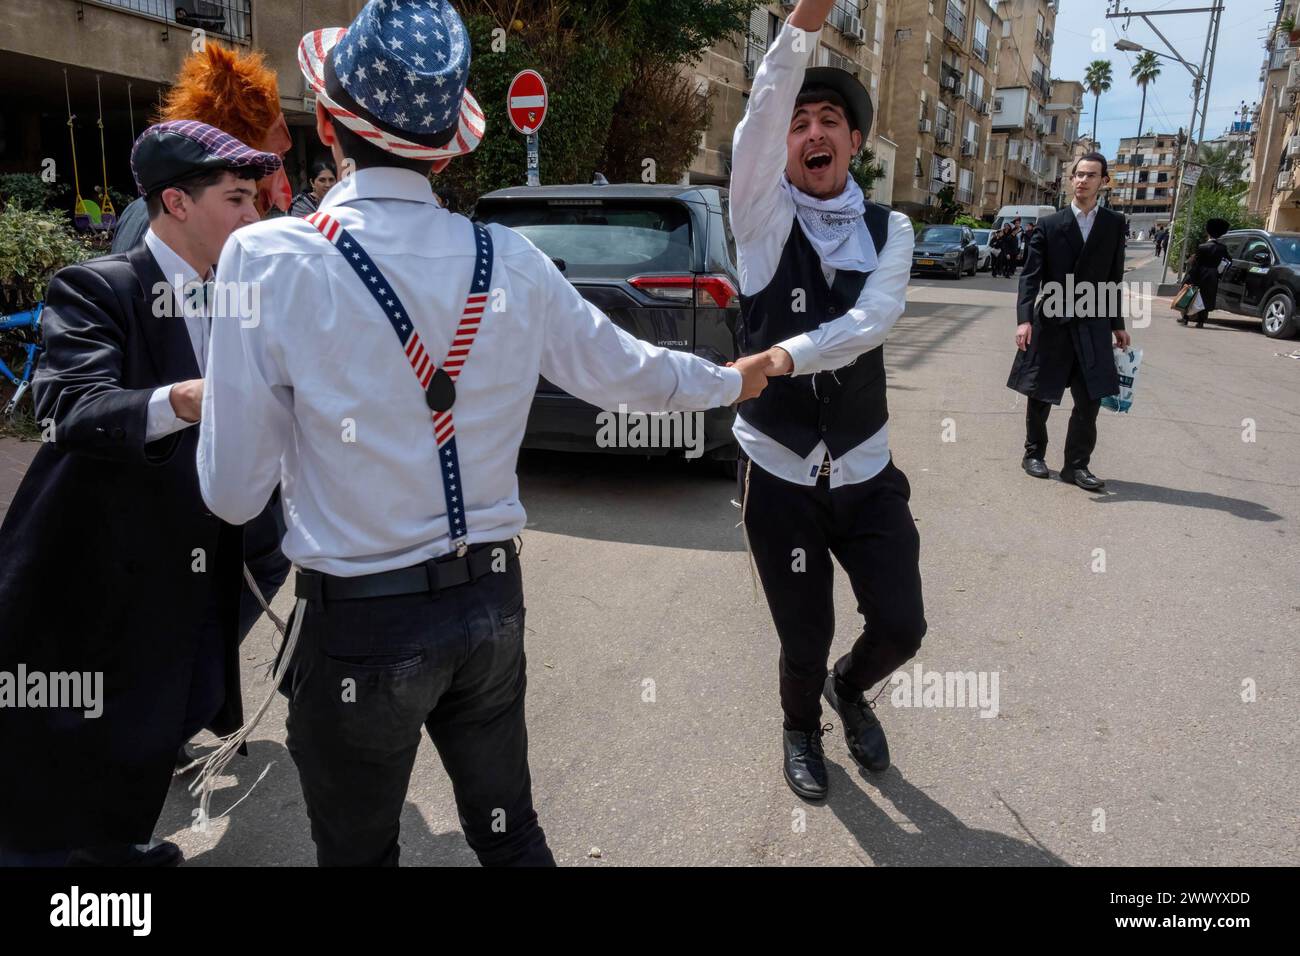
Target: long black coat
point(1057, 249)
point(100, 571)
point(1204, 273)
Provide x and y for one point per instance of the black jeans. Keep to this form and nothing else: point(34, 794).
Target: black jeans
point(793, 531)
point(1080, 437)
point(368, 674)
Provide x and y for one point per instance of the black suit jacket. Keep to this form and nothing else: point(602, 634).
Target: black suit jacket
point(1060, 261)
point(110, 562)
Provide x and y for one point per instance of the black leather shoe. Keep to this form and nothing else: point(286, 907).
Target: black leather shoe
point(1083, 478)
point(1035, 467)
point(1181, 320)
point(156, 854)
point(805, 763)
point(862, 731)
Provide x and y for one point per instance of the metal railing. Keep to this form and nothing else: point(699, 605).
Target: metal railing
point(954, 24)
point(981, 51)
point(964, 193)
point(232, 19)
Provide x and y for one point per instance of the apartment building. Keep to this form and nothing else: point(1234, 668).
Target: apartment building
point(939, 66)
point(134, 47)
point(852, 39)
point(1063, 111)
point(1144, 175)
point(1021, 168)
point(1274, 193)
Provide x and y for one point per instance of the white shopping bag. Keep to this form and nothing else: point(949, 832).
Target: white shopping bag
point(1127, 362)
point(1198, 304)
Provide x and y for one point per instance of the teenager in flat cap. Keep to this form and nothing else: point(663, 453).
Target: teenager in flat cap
point(110, 563)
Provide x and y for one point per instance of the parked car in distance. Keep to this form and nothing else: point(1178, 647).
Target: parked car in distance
point(949, 250)
point(1027, 214)
point(985, 250)
point(1263, 279)
point(659, 260)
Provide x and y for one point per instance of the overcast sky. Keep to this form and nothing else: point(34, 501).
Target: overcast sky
point(1245, 25)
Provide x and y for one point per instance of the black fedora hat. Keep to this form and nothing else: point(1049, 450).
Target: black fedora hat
point(850, 89)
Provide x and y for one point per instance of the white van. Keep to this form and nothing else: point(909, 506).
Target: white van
point(1027, 214)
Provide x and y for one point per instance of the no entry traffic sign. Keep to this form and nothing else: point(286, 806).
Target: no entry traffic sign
point(526, 101)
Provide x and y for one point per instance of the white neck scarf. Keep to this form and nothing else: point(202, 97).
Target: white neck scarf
point(835, 226)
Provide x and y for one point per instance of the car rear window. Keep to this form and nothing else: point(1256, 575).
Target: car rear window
point(601, 239)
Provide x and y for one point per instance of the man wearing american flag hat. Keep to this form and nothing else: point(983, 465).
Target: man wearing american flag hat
point(386, 385)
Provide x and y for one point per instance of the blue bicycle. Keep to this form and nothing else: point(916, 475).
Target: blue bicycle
point(28, 324)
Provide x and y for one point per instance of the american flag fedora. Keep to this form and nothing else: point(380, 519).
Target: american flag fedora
point(397, 76)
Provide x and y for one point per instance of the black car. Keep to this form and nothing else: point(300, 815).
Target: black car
point(658, 260)
point(1263, 279)
point(950, 250)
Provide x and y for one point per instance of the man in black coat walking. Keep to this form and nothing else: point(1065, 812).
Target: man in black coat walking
point(1206, 269)
point(115, 580)
point(1076, 257)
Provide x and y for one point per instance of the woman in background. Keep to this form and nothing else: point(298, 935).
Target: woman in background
point(321, 179)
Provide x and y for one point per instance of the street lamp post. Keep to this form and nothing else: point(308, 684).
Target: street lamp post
point(1199, 76)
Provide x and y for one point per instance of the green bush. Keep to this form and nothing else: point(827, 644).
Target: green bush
point(31, 192)
point(966, 220)
point(33, 246)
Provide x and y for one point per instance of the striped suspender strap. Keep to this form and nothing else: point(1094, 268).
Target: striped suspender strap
point(421, 362)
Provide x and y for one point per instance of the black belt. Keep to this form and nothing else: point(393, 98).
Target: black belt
point(429, 576)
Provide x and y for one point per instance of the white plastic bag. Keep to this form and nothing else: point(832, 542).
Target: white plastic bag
point(1127, 362)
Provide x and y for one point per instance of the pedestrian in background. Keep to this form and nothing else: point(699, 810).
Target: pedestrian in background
point(1208, 263)
point(321, 178)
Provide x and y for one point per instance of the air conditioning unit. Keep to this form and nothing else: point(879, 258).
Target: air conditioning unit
point(943, 135)
point(853, 29)
point(967, 148)
point(1293, 146)
point(1285, 102)
point(985, 108)
point(1293, 78)
point(925, 126)
point(950, 82)
point(1283, 180)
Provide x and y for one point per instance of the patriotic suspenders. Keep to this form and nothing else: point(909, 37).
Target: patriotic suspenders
point(438, 383)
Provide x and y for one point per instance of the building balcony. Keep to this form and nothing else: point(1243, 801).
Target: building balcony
point(950, 81)
point(963, 194)
point(1043, 40)
point(981, 51)
point(954, 27)
point(232, 19)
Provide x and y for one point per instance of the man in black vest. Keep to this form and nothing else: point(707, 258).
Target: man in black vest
point(823, 279)
point(1064, 338)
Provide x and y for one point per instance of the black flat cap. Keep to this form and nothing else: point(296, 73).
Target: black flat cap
point(169, 152)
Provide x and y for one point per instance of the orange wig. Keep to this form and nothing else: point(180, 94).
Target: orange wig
point(236, 93)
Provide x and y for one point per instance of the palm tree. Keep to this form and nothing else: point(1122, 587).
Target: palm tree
point(1145, 71)
point(1097, 79)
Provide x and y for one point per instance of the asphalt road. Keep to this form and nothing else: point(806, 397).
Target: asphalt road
point(1121, 734)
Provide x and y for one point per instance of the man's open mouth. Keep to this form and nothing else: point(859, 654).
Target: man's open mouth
point(818, 160)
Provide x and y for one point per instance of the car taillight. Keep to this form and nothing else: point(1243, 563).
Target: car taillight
point(712, 291)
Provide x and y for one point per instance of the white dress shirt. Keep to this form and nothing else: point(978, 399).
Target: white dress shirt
point(1084, 219)
point(318, 396)
point(761, 217)
point(162, 419)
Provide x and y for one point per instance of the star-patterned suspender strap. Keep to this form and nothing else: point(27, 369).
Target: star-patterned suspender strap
point(438, 383)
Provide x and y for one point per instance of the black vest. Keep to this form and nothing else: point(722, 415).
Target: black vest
point(843, 408)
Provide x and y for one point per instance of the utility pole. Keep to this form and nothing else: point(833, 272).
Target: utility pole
point(1200, 89)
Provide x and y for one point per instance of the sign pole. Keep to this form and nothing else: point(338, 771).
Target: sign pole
point(534, 161)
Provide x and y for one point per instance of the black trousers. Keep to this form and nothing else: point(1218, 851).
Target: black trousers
point(369, 674)
point(1080, 437)
point(793, 532)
